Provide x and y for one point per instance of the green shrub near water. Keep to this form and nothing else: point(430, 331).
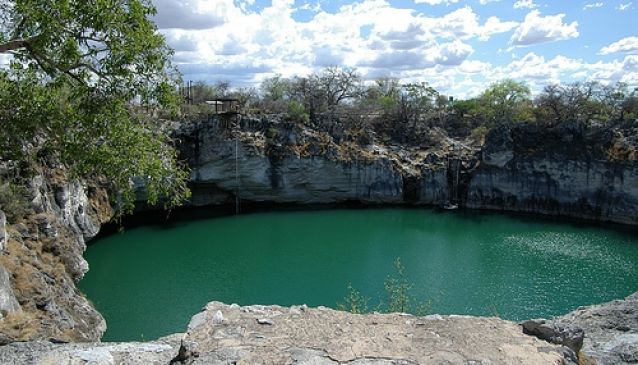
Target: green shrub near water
point(398, 296)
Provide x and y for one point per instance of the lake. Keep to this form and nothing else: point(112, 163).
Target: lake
point(148, 281)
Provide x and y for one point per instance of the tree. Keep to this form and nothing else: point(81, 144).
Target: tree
point(417, 99)
point(577, 102)
point(507, 101)
point(338, 84)
point(78, 68)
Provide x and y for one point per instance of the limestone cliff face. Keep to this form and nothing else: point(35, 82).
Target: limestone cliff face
point(566, 171)
point(41, 261)
point(260, 169)
point(559, 173)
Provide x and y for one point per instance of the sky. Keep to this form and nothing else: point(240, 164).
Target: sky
point(458, 46)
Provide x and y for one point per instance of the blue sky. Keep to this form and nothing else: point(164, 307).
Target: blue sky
point(460, 47)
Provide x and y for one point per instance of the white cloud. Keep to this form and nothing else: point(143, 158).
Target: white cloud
point(436, 2)
point(190, 14)
point(525, 4)
point(626, 45)
point(623, 7)
point(464, 23)
point(494, 25)
point(593, 5)
point(484, 2)
point(245, 46)
point(542, 29)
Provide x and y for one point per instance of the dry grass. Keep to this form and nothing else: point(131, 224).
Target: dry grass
point(21, 326)
point(585, 360)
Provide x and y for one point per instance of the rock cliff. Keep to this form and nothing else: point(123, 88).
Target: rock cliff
point(41, 260)
point(569, 170)
point(576, 171)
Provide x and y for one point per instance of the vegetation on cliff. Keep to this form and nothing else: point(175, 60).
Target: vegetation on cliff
point(405, 113)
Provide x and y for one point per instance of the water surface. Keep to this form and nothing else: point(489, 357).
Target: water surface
point(149, 281)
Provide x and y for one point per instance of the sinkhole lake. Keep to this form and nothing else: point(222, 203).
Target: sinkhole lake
point(149, 281)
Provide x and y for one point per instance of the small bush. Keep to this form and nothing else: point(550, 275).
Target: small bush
point(355, 302)
point(398, 296)
point(297, 113)
point(13, 200)
point(479, 133)
point(397, 289)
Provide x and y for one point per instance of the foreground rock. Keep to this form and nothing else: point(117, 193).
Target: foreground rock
point(131, 353)
point(229, 334)
point(611, 331)
point(297, 335)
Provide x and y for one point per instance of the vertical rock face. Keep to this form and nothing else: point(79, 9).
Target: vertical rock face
point(521, 171)
point(3, 230)
point(8, 301)
point(565, 171)
point(43, 261)
point(223, 165)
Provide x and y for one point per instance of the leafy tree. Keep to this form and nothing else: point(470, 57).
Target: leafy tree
point(506, 101)
point(417, 99)
point(78, 70)
point(577, 102)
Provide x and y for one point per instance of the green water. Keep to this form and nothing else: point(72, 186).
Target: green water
point(149, 281)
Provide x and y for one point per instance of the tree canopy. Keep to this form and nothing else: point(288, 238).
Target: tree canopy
point(80, 73)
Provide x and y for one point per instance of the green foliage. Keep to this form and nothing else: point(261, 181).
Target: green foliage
point(355, 302)
point(398, 296)
point(77, 66)
point(13, 200)
point(582, 102)
point(506, 101)
point(397, 289)
point(297, 112)
point(479, 133)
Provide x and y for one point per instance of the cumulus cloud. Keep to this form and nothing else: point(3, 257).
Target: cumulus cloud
point(542, 29)
point(247, 45)
point(626, 45)
point(189, 14)
point(464, 23)
point(525, 4)
point(453, 53)
point(436, 2)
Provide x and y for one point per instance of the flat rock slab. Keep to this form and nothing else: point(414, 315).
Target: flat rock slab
point(298, 335)
point(159, 352)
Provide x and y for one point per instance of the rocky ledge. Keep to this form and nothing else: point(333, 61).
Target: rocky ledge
point(230, 334)
point(606, 334)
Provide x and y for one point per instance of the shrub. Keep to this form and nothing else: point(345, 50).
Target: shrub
point(13, 200)
point(297, 112)
point(355, 302)
point(398, 299)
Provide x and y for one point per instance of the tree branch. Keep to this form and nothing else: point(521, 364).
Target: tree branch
point(16, 44)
